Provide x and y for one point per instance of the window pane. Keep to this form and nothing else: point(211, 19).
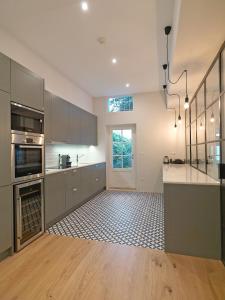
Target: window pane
point(213, 123)
point(213, 84)
point(127, 161)
point(117, 162)
point(223, 70)
point(193, 110)
point(200, 100)
point(127, 149)
point(120, 104)
point(201, 158)
point(201, 129)
point(188, 154)
point(213, 159)
point(188, 136)
point(117, 135)
point(223, 115)
point(193, 133)
point(117, 149)
point(127, 134)
point(193, 156)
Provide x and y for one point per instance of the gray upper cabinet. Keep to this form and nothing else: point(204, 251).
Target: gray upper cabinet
point(4, 73)
point(88, 128)
point(74, 125)
point(6, 218)
point(5, 139)
point(93, 129)
point(26, 87)
point(60, 120)
point(48, 116)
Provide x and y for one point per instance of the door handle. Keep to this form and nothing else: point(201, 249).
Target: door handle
point(19, 216)
point(74, 190)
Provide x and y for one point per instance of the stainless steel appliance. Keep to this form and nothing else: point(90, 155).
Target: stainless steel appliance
point(25, 119)
point(27, 157)
point(29, 212)
point(64, 161)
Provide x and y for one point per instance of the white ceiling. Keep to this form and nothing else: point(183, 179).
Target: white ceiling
point(66, 38)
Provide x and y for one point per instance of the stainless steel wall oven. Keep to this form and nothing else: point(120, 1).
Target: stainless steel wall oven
point(27, 157)
point(29, 212)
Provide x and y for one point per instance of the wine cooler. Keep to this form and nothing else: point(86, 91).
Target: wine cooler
point(29, 212)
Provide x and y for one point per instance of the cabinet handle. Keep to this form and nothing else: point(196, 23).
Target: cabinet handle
point(74, 190)
point(74, 171)
point(96, 179)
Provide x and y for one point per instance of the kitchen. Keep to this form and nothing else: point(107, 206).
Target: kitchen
point(83, 186)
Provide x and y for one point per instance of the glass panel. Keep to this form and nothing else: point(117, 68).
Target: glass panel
point(213, 159)
point(117, 149)
point(193, 133)
point(188, 136)
point(200, 101)
point(213, 123)
point(213, 84)
point(120, 104)
point(117, 162)
point(223, 70)
point(188, 154)
point(193, 156)
point(201, 157)
point(117, 135)
point(193, 110)
point(127, 161)
point(187, 115)
point(201, 129)
point(223, 115)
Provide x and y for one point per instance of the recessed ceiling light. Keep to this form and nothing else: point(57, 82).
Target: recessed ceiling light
point(84, 5)
point(114, 61)
point(127, 85)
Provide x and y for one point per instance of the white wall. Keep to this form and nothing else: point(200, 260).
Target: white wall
point(54, 81)
point(155, 136)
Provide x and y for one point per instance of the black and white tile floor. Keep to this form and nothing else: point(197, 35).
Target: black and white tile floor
point(129, 218)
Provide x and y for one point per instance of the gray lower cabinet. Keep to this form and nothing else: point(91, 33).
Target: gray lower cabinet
point(6, 219)
point(55, 196)
point(5, 141)
point(4, 73)
point(26, 87)
point(68, 190)
point(74, 196)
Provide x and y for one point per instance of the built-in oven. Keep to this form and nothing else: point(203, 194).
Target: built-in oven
point(29, 212)
point(25, 119)
point(27, 157)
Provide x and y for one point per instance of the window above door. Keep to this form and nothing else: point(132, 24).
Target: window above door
point(119, 104)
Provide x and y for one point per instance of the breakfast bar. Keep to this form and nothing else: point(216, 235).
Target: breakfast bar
point(191, 212)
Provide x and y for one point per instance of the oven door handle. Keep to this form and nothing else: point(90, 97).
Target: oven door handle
point(30, 147)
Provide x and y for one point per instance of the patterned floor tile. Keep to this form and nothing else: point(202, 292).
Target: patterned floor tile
point(129, 218)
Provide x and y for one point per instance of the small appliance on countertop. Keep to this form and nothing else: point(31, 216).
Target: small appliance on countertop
point(166, 159)
point(64, 161)
point(178, 161)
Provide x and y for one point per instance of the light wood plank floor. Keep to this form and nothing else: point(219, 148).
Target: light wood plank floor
point(64, 268)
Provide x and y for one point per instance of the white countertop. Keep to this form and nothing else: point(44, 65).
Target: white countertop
point(49, 171)
point(185, 174)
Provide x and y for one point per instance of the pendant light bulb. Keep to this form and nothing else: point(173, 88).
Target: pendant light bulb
point(179, 119)
point(201, 126)
point(212, 119)
point(186, 103)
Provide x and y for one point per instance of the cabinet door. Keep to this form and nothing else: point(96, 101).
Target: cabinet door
point(4, 73)
point(6, 218)
point(93, 130)
point(60, 120)
point(74, 124)
point(84, 129)
point(48, 116)
point(55, 196)
point(73, 189)
point(86, 182)
point(5, 142)
point(26, 87)
point(98, 177)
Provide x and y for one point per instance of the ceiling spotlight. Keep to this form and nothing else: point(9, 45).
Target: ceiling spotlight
point(127, 85)
point(84, 5)
point(114, 61)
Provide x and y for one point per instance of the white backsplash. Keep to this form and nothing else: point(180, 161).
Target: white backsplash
point(52, 153)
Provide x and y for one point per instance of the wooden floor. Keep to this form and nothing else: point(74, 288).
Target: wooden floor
point(63, 268)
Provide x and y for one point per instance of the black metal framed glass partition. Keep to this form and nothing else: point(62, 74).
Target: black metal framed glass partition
point(205, 120)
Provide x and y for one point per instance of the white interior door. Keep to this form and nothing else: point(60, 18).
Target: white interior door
point(122, 164)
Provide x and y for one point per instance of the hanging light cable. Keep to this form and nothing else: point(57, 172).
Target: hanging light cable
point(167, 67)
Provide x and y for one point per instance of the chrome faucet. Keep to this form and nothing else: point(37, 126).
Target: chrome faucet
point(78, 157)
